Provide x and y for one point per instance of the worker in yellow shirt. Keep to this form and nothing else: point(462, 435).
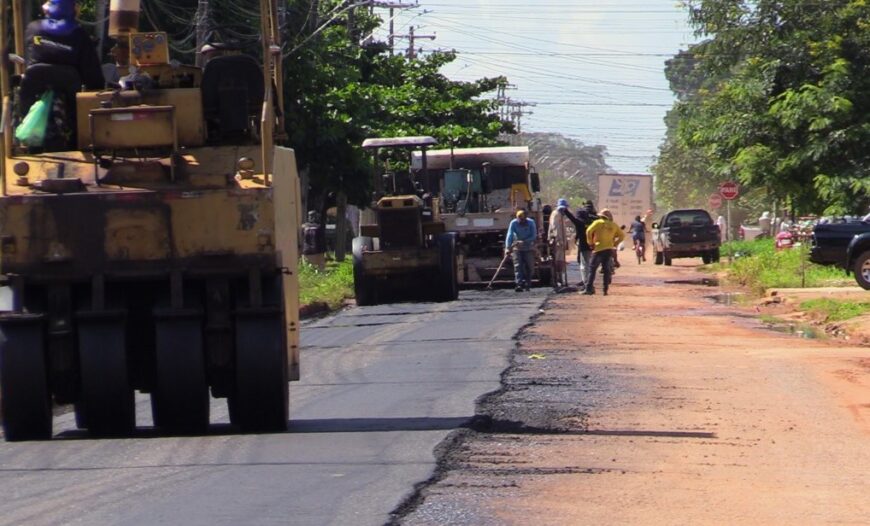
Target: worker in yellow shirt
point(603, 236)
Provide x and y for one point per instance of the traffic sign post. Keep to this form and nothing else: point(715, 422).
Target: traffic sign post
point(729, 190)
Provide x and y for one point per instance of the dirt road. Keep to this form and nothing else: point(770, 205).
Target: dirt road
point(655, 405)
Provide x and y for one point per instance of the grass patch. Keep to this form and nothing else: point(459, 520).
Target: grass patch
point(772, 320)
point(759, 266)
point(332, 286)
point(833, 310)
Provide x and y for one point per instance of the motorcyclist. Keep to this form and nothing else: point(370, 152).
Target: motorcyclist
point(638, 234)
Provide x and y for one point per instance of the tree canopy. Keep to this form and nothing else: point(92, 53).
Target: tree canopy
point(776, 97)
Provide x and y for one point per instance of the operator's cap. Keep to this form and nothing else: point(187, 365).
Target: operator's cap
point(605, 212)
point(521, 214)
point(60, 9)
point(562, 202)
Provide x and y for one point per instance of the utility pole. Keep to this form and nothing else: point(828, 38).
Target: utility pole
point(412, 38)
point(392, 6)
point(503, 100)
point(517, 109)
point(202, 29)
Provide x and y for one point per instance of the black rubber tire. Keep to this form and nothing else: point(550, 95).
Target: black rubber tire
point(448, 285)
point(108, 405)
point(24, 381)
point(260, 401)
point(706, 258)
point(180, 401)
point(363, 286)
point(714, 255)
point(666, 259)
point(861, 268)
point(658, 259)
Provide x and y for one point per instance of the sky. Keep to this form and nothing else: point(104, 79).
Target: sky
point(594, 70)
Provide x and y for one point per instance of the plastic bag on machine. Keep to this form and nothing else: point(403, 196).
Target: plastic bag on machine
point(31, 131)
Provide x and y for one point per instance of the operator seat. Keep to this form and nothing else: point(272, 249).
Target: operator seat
point(232, 95)
point(65, 81)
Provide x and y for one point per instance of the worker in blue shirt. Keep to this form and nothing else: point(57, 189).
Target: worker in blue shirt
point(521, 238)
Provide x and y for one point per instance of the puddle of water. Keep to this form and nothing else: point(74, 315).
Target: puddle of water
point(801, 331)
point(706, 282)
point(725, 298)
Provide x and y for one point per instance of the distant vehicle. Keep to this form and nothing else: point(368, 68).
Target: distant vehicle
point(403, 248)
point(686, 233)
point(479, 191)
point(845, 244)
point(784, 240)
point(749, 232)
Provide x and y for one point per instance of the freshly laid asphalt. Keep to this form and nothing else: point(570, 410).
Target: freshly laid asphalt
point(381, 388)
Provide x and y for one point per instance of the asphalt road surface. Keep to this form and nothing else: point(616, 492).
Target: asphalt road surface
point(382, 386)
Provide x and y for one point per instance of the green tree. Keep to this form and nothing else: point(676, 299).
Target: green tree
point(776, 98)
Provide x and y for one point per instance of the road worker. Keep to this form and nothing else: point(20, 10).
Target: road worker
point(602, 235)
point(520, 242)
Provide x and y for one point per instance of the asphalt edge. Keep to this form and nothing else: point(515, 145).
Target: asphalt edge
point(457, 437)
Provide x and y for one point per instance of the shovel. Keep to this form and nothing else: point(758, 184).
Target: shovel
point(500, 265)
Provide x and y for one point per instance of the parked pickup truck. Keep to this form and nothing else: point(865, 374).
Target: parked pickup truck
point(845, 244)
point(686, 233)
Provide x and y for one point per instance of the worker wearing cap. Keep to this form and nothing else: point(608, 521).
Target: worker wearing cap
point(520, 240)
point(602, 235)
point(557, 237)
point(59, 39)
point(584, 217)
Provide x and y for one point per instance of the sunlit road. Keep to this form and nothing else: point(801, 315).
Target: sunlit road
point(382, 386)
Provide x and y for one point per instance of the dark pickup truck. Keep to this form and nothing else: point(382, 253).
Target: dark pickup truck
point(845, 244)
point(686, 233)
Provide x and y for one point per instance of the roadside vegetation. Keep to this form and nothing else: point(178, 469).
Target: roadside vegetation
point(332, 286)
point(758, 266)
point(828, 310)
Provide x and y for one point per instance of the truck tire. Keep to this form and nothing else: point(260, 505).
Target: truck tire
point(706, 258)
point(658, 257)
point(448, 286)
point(666, 258)
point(363, 286)
point(108, 405)
point(714, 255)
point(862, 270)
point(24, 381)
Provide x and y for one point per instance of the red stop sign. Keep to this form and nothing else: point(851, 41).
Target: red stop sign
point(729, 190)
point(715, 200)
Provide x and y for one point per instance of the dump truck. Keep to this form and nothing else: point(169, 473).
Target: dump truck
point(479, 191)
point(156, 250)
point(403, 251)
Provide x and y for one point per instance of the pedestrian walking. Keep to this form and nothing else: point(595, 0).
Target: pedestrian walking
point(602, 235)
point(520, 242)
point(584, 217)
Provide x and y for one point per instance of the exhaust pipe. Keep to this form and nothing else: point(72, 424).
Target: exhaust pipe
point(123, 17)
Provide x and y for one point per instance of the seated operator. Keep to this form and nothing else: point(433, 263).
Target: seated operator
point(59, 39)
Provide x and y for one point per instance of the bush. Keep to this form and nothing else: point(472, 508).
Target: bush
point(758, 265)
point(332, 286)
